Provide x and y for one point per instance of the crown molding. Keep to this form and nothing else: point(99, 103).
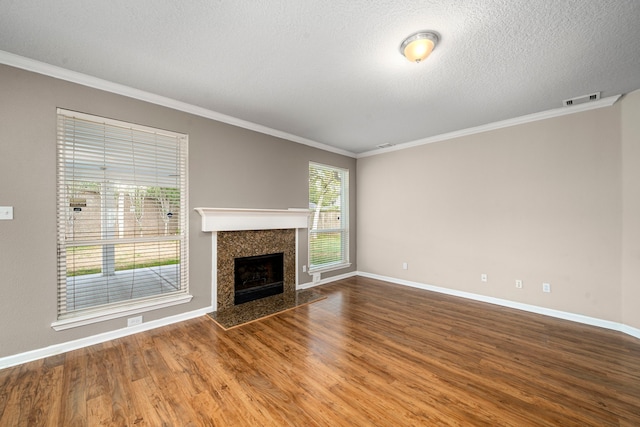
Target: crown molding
point(43, 68)
point(39, 67)
point(543, 115)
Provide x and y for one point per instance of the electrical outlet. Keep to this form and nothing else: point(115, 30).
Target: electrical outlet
point(133, 321)
point(519, 284)
point(546, 287)
point(316, 277)
point(405, 266)
point(304, 268)
point(483, 278)
point(6, 212)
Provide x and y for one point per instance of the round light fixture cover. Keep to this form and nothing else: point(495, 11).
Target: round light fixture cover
point(418, 46)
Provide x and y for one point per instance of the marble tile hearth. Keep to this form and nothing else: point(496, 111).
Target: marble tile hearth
point(264, 307)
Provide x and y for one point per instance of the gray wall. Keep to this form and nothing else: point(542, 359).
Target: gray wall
point(539, 202)
point(554, 201)
point(228, 167)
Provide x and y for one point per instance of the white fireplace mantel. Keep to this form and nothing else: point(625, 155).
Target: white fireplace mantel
point(232, 219)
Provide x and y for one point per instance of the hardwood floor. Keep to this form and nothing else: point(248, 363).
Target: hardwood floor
point(371, 354)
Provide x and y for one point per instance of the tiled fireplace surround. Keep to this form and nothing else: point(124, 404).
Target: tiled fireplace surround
point(237, 244)
point(239, 233)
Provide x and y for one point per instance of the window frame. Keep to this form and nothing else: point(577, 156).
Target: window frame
point(111, 310)
point(344, 262)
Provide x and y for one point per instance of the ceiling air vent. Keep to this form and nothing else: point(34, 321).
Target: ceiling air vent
point(581, 99)
point(385, 145)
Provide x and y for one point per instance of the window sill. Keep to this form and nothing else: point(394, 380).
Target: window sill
point(329, 267)
point(119, 311)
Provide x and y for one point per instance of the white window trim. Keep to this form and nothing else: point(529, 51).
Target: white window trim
point(330, 267)
point(121, 311)
point(346, 263)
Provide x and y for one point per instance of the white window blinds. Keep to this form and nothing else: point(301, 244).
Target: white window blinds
point(329, 221)
point(122, 213)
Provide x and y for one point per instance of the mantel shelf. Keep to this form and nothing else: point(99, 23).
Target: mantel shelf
point(236, 219)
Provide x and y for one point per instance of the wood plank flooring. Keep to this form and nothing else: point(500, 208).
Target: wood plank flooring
point(371, 354)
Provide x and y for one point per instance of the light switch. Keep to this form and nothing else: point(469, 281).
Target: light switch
point(6, 212)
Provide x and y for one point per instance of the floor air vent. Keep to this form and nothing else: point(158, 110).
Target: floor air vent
point(581, 99)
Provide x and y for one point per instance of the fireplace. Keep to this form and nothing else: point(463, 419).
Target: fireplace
point(254, 245)
point(240, 233)
point(258, 277)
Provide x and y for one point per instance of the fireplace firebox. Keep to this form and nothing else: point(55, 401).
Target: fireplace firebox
point(258, 277)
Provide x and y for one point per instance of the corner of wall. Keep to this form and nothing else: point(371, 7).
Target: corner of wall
point(630, 263)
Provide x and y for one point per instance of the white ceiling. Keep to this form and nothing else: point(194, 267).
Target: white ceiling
point(330, 71)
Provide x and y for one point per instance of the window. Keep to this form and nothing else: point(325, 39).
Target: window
point(122, 217)
point(329, 220)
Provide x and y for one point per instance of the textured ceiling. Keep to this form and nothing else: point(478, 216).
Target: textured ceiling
point(330, 71)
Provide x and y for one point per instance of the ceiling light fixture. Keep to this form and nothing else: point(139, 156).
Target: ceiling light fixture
point(418, 46)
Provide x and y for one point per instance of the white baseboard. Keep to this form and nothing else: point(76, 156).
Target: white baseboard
point(634, 332)
point(579, 318)
point(55, 349)
point(327, 280)
point(52, 350)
